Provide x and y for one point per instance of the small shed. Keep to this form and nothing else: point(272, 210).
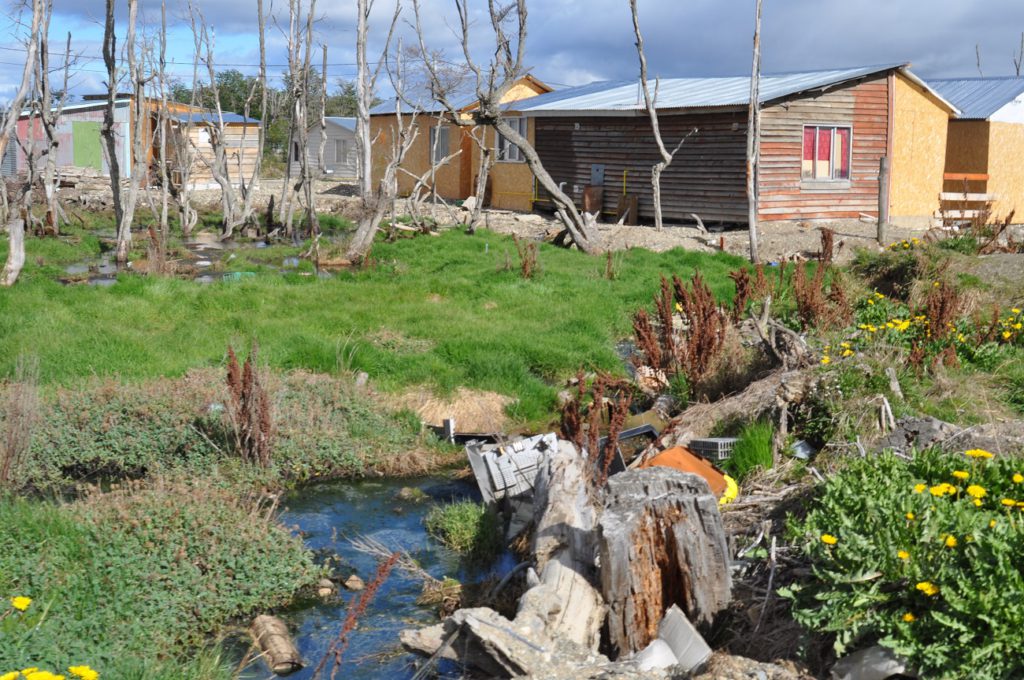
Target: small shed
point(340, 157)
point(985, 147)
point(241, 143)
point(823, 134)
point(510, 183)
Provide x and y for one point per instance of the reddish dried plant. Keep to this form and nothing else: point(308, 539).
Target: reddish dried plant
point(647, 340)
point(828, 238)
point(744, 292)
point(705, 328)
point(816, 306)
point(249, 409)
point(528, 266)
point(941, 307)
point(336, 652)
point(584, 415)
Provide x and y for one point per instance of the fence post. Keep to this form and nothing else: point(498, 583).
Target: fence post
point(883, 199)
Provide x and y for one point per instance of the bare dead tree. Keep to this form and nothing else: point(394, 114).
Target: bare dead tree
point(402, 136)
point(492, 84)
point(486, 160)
point(16, 225)
point(157, 249)
point(107, 132)
point(651, 103)
point(320, 152)
point(138, 124)
point(1018, 59)
point(977, 56)
point(754, 139)
point(49, 116)
point(301, 124)
point(248, 188)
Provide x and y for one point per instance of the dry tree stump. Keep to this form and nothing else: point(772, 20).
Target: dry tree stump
point(661, 542)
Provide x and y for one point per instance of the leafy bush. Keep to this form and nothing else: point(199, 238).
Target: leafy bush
point(921, 557)
point(752, 451)
point(469, 529)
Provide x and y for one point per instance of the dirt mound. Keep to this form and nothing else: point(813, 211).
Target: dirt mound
point(473, 410)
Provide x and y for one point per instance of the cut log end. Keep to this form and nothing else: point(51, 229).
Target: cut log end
point(272, 637)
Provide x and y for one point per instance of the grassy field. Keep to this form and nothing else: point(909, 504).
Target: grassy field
point(437, 311)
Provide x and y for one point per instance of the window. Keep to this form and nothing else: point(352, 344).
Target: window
point(438, 143)
point(507, 151)
point(340, 151)
point(826, 152)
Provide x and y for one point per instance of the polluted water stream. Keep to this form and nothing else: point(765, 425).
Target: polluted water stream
point(327, 516)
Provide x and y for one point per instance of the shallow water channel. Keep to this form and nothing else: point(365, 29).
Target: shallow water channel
point(327, 515)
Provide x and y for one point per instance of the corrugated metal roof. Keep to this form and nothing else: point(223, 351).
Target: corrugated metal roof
point(347, 123)
point(979, 98)
point(211, 117)
point(692, 93)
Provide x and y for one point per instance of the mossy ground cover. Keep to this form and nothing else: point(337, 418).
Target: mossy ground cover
point(134, 582)
point(487, 327)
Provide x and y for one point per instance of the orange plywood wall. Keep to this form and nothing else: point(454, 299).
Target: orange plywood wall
point(1006, 169)
point(920, 128)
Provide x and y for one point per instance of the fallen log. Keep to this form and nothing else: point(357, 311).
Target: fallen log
point(661, 543)
point(271, 635)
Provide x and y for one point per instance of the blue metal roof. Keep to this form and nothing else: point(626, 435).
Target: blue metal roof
point(347, 123)
point(210, 117)
point(692, 93)
point(979, 98)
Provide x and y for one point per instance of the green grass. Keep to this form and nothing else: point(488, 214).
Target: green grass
point(752, 451)
point(133, 583)
point(467, 528)
point(485, 328)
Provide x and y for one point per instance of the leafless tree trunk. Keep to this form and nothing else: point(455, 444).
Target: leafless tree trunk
point(1018, 59)
point(138, 123)
point(479, 136)
point(107, 132)
point(651, 104)
point(320, 154)
point(301, 126)
point(364, 97)
point(249, 188)
point(492, 83)
point(50, 117)
point(754, 139)
point(16, 226)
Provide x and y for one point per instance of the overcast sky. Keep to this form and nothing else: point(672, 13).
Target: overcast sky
point(577, 41)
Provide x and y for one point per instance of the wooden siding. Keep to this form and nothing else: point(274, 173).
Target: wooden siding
point(241, 153)
point(344, 169)
point(1006, 171)
point(783, 194)
point(707, 176)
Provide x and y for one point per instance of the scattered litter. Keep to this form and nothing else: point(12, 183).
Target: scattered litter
point(238, 276)
point(684, 460)
point(509, 470)
point(274, 640)
point(873, 663)
point(803, 450)
point(713, 448)
point(631, 443)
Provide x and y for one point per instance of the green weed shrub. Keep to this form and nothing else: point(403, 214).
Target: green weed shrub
point(467, 528)
point(123, 580)
point(923, 557)
point(752, 450)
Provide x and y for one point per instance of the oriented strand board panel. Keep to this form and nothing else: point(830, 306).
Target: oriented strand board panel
point(511, 182)
point(784, 195)
point(919, 151)
point(967, 146)
point(1006, 169)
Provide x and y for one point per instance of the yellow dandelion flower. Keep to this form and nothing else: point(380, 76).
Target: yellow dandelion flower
point(879, 295)
point(977, 453)
point(961, 474)
point(848, 352)
point(961, 338)
point(1018, 478)
point(910, 516)
point(1017, 326)
point(826, 360)
point(928, 588)
point(844, 345)
point(975, 491)
point(13, 675)
point(950, 541)
point(21, 603)
point(1015, 310)
point(83, 672)
point(919, 488)
point(871, 302)
point(909, 618)
point(977, 502)
point(829, 539)
point(992, 524)
point(1008, 502)
point(903, 554)
point(944, 489)
point(1007, 335)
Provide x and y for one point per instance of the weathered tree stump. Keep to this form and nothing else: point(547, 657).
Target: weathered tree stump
point(661, 542)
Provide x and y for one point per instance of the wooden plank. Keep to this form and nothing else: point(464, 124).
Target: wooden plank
point(959, 214)
point(968, 198)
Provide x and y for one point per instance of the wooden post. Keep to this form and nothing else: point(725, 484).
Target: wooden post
point(753, 134)
point(883, 199)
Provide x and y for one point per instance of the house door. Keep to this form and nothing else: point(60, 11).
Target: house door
point(87, 150)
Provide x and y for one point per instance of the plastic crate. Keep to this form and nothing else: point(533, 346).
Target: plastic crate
point(713, 448)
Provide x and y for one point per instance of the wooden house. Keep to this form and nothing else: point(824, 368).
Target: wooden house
point(510, 185)
point(340, 157)
point(81, 147)
point(823, 134)
point(984, 168)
